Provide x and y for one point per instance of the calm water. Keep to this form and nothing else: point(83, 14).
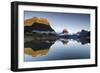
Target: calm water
point(57, 50)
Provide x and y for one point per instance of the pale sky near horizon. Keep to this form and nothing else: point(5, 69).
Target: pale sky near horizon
point(73, 22)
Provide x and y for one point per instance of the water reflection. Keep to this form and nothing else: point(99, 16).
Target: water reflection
point(56, 49)
point(37, 47)
point(35, 53)
point(64, 41)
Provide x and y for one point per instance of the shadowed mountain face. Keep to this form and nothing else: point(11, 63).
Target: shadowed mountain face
point(38, 27)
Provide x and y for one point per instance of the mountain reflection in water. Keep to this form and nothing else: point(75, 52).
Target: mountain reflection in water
point(37, 47)
point(56, 49)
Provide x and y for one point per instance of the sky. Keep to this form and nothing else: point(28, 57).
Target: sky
point(73, 22)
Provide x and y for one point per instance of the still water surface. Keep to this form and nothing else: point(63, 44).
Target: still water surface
point(58, 50)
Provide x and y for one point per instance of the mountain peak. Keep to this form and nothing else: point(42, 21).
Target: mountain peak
point(29, 22)
point(65, 31)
